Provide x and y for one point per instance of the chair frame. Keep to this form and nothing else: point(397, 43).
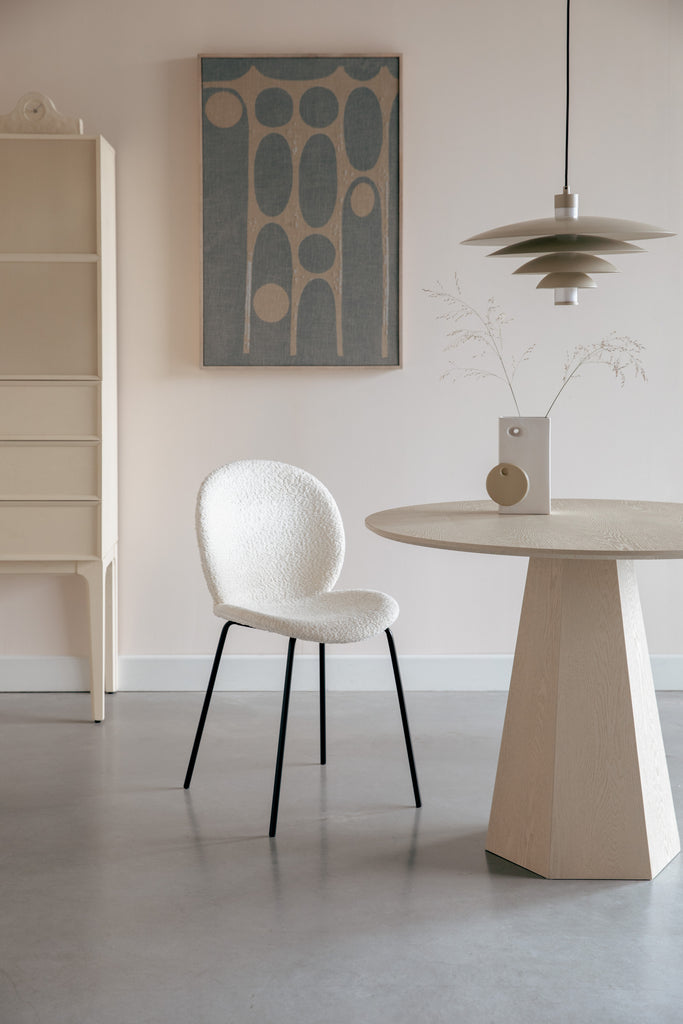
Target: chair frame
point(279, 762)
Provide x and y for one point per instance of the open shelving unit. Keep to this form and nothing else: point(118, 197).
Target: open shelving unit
point(58, 452)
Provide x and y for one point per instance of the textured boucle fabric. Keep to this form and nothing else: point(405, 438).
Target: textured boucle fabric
point(271, 542)
point(338, 617)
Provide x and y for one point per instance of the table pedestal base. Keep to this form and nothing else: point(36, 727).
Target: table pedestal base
point(582, 788)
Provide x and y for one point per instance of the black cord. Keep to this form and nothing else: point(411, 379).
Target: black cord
point(566, 114)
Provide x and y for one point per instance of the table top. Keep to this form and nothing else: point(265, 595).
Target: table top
point(588, 528)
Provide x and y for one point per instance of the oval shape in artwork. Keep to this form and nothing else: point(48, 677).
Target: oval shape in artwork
point(317, 254)
point(318, 180)
point(363, 199)
point(271, 298)
point(273, 174)
point(316, 333)
point(274, 107)
point(318, 107)
point(363, 296)
point(225, 171)
point(363, 129)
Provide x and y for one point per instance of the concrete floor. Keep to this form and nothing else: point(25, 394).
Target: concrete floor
point(125, 900)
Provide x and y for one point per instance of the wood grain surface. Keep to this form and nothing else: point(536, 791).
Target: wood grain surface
point(582, 789)
point(590, 528)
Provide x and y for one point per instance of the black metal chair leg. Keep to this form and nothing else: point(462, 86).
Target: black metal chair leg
point(207, 701)
point(404, 716)
point(281, 742)
point(323, 728)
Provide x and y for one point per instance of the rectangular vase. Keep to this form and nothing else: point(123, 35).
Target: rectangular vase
point(524, 441)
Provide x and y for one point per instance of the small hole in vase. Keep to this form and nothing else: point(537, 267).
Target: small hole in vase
point(514, 431)
point(504, 472)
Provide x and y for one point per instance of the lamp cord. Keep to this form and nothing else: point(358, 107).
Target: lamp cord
point(566, 113)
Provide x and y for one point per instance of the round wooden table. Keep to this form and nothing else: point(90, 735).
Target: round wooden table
point(582, 788)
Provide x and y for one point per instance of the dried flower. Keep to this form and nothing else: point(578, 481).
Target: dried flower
point(483, 334)
point(617, 351)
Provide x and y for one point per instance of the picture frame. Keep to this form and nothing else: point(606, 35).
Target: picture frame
point(301, 197)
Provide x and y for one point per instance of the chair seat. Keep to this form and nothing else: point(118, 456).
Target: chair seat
point(335, 617)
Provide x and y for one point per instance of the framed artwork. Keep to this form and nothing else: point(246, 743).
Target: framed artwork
point(300, 211)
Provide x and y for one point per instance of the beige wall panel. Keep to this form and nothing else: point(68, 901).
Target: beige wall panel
point(383, 438)
point(48, 471)
point(47, 205)
point(48, 410)
point(42, 531)
point(48, 322)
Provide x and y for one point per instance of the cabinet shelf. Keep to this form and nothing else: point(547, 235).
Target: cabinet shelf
point(57, 378)
point(73, 439)
point(50, 502)
point(48, 257)
point(37, 442)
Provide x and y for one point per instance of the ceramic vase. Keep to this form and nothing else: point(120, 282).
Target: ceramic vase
point(524, 441)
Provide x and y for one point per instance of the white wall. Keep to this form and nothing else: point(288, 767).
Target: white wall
point(483, 134)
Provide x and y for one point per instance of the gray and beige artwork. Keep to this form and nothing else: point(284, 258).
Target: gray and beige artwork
point(300, 171)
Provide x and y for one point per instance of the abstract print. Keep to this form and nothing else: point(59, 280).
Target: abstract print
point(300, 173)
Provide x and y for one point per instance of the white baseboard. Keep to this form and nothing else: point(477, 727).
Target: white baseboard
point(343, 672)
point(243, 672)
point(43, 675)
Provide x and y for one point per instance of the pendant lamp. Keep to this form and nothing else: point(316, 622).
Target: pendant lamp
point(570, 247)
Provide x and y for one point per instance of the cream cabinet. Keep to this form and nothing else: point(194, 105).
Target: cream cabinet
point(58, 480)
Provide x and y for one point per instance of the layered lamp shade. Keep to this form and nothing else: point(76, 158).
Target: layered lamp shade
point(570, 248)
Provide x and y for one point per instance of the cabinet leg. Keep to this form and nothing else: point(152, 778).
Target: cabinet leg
point(94, 575)
point(111, 667)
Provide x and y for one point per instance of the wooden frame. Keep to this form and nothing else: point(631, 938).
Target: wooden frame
point(300, 210)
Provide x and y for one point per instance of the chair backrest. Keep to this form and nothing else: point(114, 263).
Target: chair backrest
point(267, 532)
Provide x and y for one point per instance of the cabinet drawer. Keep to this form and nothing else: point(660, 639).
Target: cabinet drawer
point(29, 470)
point(49, 319)
point(48, 410)
point(44, 531)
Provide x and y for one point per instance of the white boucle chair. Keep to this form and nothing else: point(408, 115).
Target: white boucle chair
point(271, 542)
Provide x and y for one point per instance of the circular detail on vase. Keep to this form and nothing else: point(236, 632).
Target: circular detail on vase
point(318, 107)
point(316, 254)
point(274, 107)
point(271, 303)
point(224, 109)
point(507, 484)
point(363, 199)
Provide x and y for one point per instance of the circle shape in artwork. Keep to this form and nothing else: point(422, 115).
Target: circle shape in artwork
point(274, 107)
point(224, 109)
point(363, 199)
point(318, 107)
point(271, 303)
point(317, 254)
point(507, 484)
